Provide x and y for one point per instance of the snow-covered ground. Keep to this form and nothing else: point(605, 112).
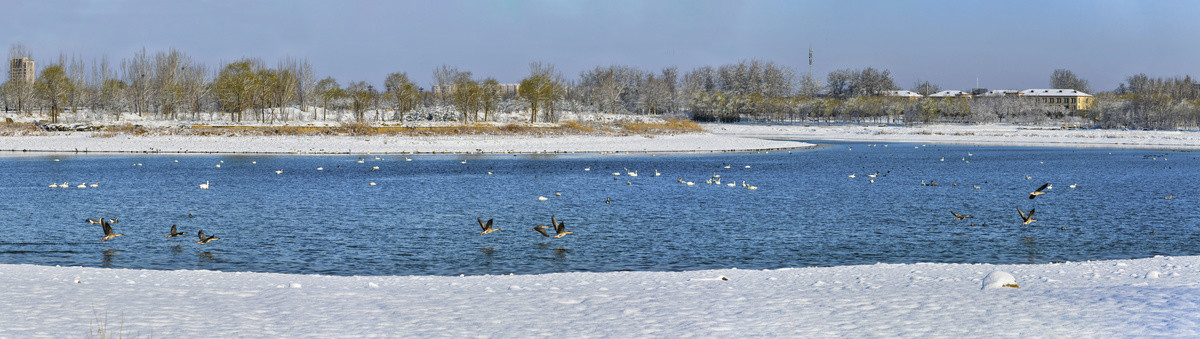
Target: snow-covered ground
point(1145, 297)
point(69, 142)
point(988, 134)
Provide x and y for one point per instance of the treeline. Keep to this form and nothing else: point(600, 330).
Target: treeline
point(171, 85)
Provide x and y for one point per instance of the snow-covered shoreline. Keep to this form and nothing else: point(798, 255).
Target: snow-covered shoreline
point(717, 138)
point(381, 144)
point(1157, 296)
point(985, 135)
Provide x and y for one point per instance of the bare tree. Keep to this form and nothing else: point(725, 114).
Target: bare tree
point(1064, 79)
point(925, 88)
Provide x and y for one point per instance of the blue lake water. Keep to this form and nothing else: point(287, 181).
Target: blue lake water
point(419, 218)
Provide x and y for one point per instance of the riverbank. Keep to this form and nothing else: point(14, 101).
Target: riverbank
point(71, 142)
point(714, 138)
point(1144, 297)
point(985, 135)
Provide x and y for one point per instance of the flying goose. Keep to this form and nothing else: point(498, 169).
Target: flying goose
point(1038, 191)
point(204, 239)
point(560, 229)
point(108, 231)
point(542, 229)
point(175, 232)
point(958, 217)
point(487, 228)
point(1027, 218)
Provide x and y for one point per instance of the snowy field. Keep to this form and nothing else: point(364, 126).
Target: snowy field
point(988, 134)
point(1145, 297)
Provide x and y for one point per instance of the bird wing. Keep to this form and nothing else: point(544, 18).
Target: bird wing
point(107, 227)
point(541, 229)
point(481, 225)
point(489, 224)
point(554, 223)
point(956, 215)
point(1031, 212)
point(200, 234)
point(561, 227)
point(1023, 216)
point(174, 230)
point(1043, 187)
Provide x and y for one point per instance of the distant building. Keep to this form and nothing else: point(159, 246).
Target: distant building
point(996, 93)
point(950, 93)
point(903, 94)
point(1067, 98)
point(21, 69)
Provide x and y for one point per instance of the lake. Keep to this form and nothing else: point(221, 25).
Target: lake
point(420, 216)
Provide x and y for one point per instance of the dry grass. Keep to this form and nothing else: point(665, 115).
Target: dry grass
point(667, 127)
point(129, 129)
point(20, 129)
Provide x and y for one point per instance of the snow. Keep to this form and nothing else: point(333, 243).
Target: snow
point(999, 279)
point(81, 141)
point(984, 134)
point(1097, 298)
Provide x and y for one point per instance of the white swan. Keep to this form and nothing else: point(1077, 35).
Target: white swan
point(204, 186)
point(95, 184)
point(82, 185)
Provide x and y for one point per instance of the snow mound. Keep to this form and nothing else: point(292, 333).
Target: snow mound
point(999, 279)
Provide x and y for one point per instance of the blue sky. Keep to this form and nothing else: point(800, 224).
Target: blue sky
point(1003, 44)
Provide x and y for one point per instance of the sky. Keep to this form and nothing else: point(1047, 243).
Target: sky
point(953, 44)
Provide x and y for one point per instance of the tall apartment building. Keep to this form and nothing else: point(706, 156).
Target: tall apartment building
point(21, 69)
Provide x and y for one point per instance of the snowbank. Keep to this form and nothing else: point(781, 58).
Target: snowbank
point(990, 134)
point(81, 141)
point(1097, 299)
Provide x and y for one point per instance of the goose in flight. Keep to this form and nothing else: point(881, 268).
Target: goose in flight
point(958, 217)
point(560, 229)
point(175, 232)
point(487, 227)
point(1038, 191)
point(108, 231)
point(1026, 218)
point(204, 239)
point(542, 229)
